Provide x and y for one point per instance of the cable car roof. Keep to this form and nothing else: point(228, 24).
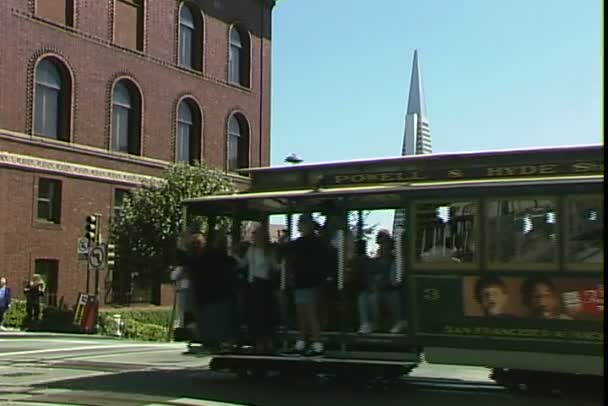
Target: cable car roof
point(362, 197)
point(528, 163)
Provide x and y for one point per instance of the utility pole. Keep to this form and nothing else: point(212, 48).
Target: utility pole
point(91, 234)
point(97, 243)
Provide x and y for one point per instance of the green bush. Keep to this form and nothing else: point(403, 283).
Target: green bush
point(153, 315)
point(54, 319)
point(15, 315)
point(145, 331)
point(140, 324)
point(133, 329)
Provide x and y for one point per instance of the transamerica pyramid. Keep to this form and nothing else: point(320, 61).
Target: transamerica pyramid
point(417, 132)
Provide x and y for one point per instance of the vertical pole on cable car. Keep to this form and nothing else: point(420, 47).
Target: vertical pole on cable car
point(399, 254)
point(211, 223)
point(235, 232)
point(341, 268)
point(283, 283)
point(360, 225)
point(360, 237)
point(172, 327)
point(407, 243)
point(398, 234)
point(239, 301)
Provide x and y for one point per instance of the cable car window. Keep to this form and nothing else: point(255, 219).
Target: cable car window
point(522, 231)
point(445, 232)
point(585, 242)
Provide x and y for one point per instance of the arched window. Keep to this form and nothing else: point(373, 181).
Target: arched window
point(190, 37)
point(52, 100)
point(186, 36)
point(188, 140)
point(238, 63)
point(238, 143)
point(126, 118)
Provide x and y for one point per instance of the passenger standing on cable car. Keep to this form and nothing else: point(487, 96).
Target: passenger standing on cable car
point(383, 288)
point(329, 233)
point(262, 265)
point(215, 285)
point(390, 286)
point(190, 251)
point(308, 258)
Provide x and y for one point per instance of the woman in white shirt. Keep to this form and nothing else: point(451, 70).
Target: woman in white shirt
point(262, 264)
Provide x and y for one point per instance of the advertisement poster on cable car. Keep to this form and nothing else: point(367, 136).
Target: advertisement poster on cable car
point(536, 297)
point(531, 307)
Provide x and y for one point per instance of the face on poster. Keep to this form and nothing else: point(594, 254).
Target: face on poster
point(536, 297)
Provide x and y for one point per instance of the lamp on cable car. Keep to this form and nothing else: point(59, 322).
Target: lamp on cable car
point(293, 159)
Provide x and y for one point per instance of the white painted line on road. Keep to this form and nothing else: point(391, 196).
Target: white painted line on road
point(50, 391)
point(121, 354)
point(75, 349)
point(55, 340)
point(44, 381)
point(22, 400)
point(201, 402)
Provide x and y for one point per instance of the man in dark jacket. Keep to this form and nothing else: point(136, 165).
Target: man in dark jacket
point(214, 279)
point(5, 300)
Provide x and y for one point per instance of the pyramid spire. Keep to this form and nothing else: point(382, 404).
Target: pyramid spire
point(416, 103)
point(417, 132)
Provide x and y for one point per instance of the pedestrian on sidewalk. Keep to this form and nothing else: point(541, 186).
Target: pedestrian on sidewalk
point(33, 291)
point(5, 300)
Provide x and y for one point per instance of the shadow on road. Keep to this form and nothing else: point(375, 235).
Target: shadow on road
point(208, 385)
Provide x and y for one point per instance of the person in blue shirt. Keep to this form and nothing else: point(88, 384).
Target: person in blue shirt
point(5, 300)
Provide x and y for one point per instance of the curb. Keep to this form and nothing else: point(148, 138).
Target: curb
point(35, 334)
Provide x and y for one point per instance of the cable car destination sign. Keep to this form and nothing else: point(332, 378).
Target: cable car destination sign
point(543, 163)
point(466, 174)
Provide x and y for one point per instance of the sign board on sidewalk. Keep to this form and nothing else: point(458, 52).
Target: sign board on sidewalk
point(89, 321)
point(80, 307)
point(85, 314)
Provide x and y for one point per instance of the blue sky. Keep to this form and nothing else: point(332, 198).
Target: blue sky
point(496, 74)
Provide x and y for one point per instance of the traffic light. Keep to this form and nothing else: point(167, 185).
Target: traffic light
point(110, 255)
point(91, 229)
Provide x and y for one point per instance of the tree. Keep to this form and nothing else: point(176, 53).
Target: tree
point(150, 221)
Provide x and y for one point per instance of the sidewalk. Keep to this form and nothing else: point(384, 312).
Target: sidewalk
point(15, 333)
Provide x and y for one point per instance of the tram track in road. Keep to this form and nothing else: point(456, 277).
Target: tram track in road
point(436, 384)
point(453, 384)
point(432, 384)
point(408, 383)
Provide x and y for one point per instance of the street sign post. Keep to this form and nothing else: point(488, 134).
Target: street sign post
point(82, 249)
point(83, 246)
point(97, 256)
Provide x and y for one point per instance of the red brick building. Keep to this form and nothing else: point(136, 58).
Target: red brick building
point(97, 96)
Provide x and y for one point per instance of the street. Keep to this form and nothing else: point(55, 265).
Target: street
point(96, 371)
